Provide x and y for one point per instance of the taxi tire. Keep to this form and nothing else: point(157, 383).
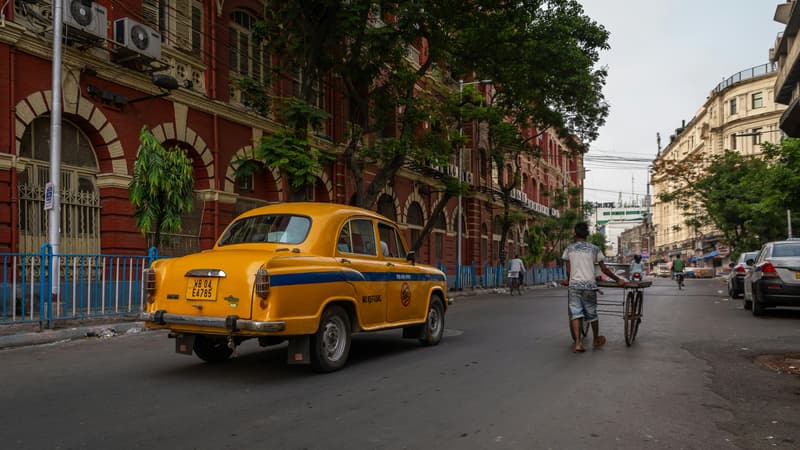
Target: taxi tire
point(434, 323)
point(212, 349)
point(334, 332)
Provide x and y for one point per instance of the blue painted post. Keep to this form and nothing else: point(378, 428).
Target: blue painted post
point(45, 285)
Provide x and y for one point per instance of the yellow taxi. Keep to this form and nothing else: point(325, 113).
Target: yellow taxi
point(309, 273)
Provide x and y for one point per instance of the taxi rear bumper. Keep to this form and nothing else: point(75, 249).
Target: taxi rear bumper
point(229, 323)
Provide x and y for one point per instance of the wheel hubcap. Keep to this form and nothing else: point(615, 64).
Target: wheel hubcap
point(434, 322)
point(333, 339)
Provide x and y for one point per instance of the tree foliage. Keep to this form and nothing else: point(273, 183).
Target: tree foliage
point(745, 197)
point(161, 187)
point(539, 54)
point(557, 231)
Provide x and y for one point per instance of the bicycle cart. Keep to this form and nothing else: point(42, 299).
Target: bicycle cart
point(629, 308)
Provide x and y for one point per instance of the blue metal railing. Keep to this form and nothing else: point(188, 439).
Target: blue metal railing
point(496, 276)
point(87, 286)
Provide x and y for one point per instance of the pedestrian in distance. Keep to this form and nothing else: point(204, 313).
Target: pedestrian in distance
point(580, 258)
point(677, 270)
point(516, 270)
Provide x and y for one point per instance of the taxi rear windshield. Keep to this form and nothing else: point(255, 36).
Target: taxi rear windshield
point(273, 228)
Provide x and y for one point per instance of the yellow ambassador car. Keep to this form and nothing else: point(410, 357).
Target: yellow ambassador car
point(309, 273)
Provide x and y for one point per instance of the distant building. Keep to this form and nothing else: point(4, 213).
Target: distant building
point(612, 219)
point(785, 55)
point(739, 115)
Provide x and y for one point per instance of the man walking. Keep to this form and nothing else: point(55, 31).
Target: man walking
point(580, 258)
point(516, 270)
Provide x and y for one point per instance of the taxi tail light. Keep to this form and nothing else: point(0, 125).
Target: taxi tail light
point(262, 283)
point(740, 269)
point(149, 281)
point(768, 271)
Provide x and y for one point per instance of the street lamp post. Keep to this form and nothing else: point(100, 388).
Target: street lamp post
point(459, 218)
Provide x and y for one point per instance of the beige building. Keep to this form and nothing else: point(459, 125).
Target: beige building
point(785, 55)
point(739, 114)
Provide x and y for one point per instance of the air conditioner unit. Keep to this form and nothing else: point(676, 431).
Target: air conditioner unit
point(135, 36)
point(86, 17)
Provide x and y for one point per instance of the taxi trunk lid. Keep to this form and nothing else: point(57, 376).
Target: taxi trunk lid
point(203, 285)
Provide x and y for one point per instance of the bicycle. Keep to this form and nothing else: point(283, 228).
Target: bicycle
point(679, 277)
point(514, 283)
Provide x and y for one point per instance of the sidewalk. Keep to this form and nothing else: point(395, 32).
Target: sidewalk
point(22, 335)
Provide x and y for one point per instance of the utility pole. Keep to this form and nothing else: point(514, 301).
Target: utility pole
point(54, 186)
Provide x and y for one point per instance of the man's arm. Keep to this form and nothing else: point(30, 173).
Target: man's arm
point(565, 282)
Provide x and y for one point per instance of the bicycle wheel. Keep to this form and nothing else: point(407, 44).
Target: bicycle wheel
point(628, 316)
point(637, 311)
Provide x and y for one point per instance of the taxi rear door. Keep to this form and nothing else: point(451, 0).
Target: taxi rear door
point(357, 249)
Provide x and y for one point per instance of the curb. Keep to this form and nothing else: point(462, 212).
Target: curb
point(68, 334)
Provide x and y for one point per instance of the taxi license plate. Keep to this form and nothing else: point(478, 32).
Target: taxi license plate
point(202, 289)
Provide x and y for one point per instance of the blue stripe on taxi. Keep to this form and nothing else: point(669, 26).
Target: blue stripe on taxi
point(334, 276)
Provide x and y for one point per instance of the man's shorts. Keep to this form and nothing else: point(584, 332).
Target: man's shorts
point(582, 303)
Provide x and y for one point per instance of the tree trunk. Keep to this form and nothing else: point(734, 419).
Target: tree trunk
point(429, 224)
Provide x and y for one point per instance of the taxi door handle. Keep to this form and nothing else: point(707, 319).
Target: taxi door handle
point(345, 261)
point(390, 264)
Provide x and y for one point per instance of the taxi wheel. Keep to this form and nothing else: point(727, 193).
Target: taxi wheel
point(212, 349)
point(434, 325)
point(330, 345)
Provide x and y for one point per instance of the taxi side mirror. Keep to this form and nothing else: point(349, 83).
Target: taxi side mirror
point(411, 257)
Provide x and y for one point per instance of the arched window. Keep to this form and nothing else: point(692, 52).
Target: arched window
point(415, 220)
point(439, 228)
point(80, 201)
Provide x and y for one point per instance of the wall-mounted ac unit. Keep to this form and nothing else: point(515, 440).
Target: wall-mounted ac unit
point(87, 18)
point(135, 36)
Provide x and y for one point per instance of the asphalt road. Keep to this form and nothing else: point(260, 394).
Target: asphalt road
point(504, 377)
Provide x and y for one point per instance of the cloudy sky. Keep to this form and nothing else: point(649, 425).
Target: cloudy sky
point(665, 58)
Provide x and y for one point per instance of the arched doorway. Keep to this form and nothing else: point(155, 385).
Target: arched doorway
point(80, 199)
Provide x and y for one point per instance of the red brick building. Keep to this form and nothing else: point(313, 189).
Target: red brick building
point(108, 95)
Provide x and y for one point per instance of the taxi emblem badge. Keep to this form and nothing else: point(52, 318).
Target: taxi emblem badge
point(232, 300)
point(405, 294)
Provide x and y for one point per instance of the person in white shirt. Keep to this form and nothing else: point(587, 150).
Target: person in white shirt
point(580, 258)
point(516, 269)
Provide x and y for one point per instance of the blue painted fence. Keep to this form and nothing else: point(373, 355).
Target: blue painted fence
point(464, 277)
point(88, 286)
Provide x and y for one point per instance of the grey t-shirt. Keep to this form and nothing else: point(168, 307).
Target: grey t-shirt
point(582, 257)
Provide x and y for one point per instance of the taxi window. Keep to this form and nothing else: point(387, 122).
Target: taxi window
point(344, 243)
point(391, 244)
point(272, 228)
point(362, 236)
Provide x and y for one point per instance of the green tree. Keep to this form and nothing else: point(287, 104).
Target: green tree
point(161, 187)
point(540, 56)
point(558, 231)
point(598, 239)
point(744, 197)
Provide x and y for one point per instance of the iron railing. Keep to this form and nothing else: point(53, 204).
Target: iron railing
point(746, 74)
point(44, 287)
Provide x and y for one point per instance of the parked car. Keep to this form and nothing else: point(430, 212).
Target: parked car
point(738, 270)
point(309, 273)
point(663, 270)
point(774, 279)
